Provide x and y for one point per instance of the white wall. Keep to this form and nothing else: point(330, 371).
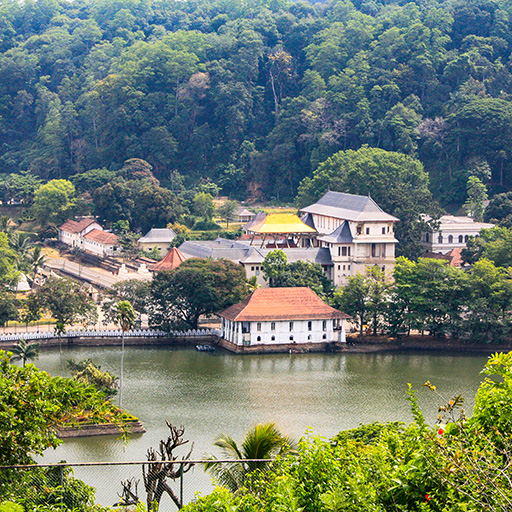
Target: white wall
point(232, 331)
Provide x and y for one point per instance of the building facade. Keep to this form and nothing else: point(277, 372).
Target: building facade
point(89, 236)
point(453, 232)
point(357, 232)
point(159, 239)
point(282, 316)
point(72, 231)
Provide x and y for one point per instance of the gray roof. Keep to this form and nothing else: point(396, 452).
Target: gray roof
point(320, 255)
point(349, 207)
point(307, 218)
point(259, 216)
point(243, 252)
point(216, 249)
point(341, 235)
point(158, 235)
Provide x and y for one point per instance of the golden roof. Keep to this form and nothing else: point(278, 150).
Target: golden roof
point(280, 223)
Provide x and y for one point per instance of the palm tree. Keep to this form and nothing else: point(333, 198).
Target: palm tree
point(25, 351)
point(124, 316)
point(36, 259)
point(263, 441)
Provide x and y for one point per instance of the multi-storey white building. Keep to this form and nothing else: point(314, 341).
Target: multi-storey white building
point(89, 236)
point(72, 231)
point(452, 232)
point(356, 231)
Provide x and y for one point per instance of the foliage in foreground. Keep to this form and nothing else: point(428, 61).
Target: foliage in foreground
point(460, 465)
point(34, 403)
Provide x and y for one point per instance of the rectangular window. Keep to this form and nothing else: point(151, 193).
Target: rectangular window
point(252, 268)
point(272, 326)
point(348, 267)
point(310, 325)
point(344, 251)
point(339, 248)
point(367, 231)
point(258, 326)
point(324, 325)
point(348, 250)
point(291, 326)
point(383, 231)
point(343, 267)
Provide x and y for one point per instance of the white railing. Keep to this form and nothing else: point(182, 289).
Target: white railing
point(136, 333)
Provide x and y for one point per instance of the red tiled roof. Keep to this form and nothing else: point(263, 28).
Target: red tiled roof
point(281, 304)
point(455, 256)
point(73, 226)
point(102, 237)
point(173, 259)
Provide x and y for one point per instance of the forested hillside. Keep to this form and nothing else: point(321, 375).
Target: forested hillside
point(255, 94)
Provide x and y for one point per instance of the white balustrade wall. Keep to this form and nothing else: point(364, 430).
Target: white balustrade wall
point(136, 333)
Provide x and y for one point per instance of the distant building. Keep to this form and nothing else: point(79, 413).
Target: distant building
point(72, 231)
point(88, 235)
point(356, 231)
point(344, 233)
point(244, 215)
point(282, 316)
point(453, 233)
point(158, 238)
point(101, 243)
point(251, 257)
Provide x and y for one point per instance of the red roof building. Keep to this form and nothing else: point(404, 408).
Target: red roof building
point(282, 316)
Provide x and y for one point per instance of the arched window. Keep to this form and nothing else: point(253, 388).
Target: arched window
point(450, 239)
point(461, 239)
point(440, 239)
point(291, 338)
point(466, 238)
point(324, 336)
point(258, 338)
point(273, 338)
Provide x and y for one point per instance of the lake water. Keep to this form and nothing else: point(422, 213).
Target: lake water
point(213, 393)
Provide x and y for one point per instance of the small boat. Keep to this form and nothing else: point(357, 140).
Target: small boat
point(205, 348)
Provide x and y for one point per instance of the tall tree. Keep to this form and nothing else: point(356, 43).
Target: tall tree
point(197, 287)
point(477, 195)
point(54, 201)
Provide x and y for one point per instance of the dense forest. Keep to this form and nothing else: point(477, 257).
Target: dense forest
point(254, 95)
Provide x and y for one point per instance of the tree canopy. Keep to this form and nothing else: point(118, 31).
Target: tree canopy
point(197, 287)
point(397, 183)
point(253, 96)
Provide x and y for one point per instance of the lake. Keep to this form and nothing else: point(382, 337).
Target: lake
point(213, 393)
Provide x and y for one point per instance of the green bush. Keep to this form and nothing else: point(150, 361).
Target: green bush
point(206, 225)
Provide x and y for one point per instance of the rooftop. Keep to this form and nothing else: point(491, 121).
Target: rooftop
point(340, 205)
point(173, 259)
point(278, 223)
point(341, 235)
point(281, 304)
point(73, 226)
point(101, 237)
point(158, 235)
